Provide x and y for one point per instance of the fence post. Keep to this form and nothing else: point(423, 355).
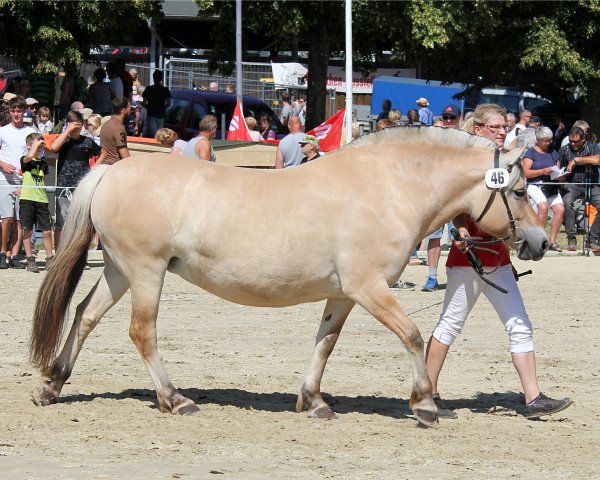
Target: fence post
point(223, 134)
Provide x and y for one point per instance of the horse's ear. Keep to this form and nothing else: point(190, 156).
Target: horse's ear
point(511, 158)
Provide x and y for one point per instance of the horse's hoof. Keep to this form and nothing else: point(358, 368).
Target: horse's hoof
point(189, 409)
point(426, 418)
point(323, 413)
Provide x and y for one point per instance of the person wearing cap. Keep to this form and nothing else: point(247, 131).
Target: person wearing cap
point(12, 148)
point(451, 116)
point(425, 115)
point(288, 151)
point(310, 148)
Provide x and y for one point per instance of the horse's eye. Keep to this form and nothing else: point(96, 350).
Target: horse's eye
point(519, 193)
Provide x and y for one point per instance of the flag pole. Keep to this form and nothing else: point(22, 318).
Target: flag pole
point(348, 71)
point(238, 49)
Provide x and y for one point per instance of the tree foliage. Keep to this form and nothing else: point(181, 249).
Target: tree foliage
point(45, 35)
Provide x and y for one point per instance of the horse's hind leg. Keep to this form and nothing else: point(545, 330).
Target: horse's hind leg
point(146, 288)
point(108, 290)
point(334, 316)
point(379, 302)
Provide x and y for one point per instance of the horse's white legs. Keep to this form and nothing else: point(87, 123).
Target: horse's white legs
point(377, 299)
point(334, 316)
point(145, 296)
point(108, 290)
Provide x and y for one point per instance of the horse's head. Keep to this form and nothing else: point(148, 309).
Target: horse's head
point(512, 201)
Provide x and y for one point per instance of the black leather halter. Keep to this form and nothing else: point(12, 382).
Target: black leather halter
point(502, 192)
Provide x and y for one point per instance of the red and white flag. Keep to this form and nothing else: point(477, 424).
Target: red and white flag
point(331, 132)
point(238, 130)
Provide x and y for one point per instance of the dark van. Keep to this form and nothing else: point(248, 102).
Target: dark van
point(187, 107)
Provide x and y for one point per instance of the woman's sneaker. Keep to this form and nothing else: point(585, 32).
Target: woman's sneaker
point(14, 263)
point(442, 410)
point(542, 405)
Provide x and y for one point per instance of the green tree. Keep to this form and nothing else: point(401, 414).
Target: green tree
point(45, 35)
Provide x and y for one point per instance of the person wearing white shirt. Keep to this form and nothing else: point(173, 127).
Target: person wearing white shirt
point(521, 125)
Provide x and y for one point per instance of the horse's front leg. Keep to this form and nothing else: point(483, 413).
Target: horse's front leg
point(334, 316)
point(107, 291)
point(145, 296)
point(376, 298)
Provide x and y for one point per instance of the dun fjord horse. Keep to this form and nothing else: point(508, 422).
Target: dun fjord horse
point(340, 228)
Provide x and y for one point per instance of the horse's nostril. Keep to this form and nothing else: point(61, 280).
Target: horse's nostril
point(545, 245)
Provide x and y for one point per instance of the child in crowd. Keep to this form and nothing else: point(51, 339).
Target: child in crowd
point(94, 122)
point(33, 205)
point(44, 124)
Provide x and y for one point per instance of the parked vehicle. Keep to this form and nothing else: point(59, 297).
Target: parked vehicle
point(512, 99)
point(404, 92)
point(187, 107)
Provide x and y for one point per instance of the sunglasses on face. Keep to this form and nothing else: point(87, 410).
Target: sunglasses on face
point(448, 117)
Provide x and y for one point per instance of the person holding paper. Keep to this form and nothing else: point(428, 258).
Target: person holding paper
point(539, 164)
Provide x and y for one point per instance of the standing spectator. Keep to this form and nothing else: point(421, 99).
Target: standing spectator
point(451, 116)
point(425, 114)
point(581, 159)
point(67, 89)
point(142, 113)
point(265, 129)
point(2, 82)
point(538, 163)
point(413, 117)
point(169, 138)
point(386, 106)
point(33, 204)
point(511, 121)
point(254, 135)
point(310, 148)
point(527, 139)
point(113, 136)
point(524, 117)
point(302, 113)
point(134, 76)
point(286, 110)
point(12, 148)
point(464, 288)
point(100, 94)
point(213, 87)
point(42, 88)
point(44, 124)
point(74, 153)
point(116, 85)
point(200, 147)
point(156, 98)
point(288, 151)
point(25, 88)
point(395, 117)
point(94, 122)
point(126, 78)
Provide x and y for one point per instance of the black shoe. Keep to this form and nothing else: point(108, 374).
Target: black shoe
point(442, 410)
point(32, 265)
point(13, 263)
point(543, 405)
point(3, 262)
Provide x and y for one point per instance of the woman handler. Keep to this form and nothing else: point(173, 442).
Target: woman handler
point(464, 287)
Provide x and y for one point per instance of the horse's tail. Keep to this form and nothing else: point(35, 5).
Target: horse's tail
point(64, 274)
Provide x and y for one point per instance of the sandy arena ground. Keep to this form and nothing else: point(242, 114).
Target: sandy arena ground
point(244, 367)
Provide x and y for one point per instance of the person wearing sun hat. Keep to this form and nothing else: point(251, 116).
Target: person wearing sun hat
point(310, 148)
point(425, 115)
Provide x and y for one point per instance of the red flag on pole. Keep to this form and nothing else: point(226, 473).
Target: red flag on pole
point(238, 130)
point(331, 132)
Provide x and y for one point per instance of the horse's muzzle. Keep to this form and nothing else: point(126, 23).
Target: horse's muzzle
point(533, 244)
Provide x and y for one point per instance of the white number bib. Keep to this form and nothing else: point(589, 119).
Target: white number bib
point(496, 178)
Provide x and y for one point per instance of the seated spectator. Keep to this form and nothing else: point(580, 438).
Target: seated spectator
point(538, 163)
point(168, 138)
point(385, 123)
point(386, 106)
point(94, 122)
point(256, 136)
